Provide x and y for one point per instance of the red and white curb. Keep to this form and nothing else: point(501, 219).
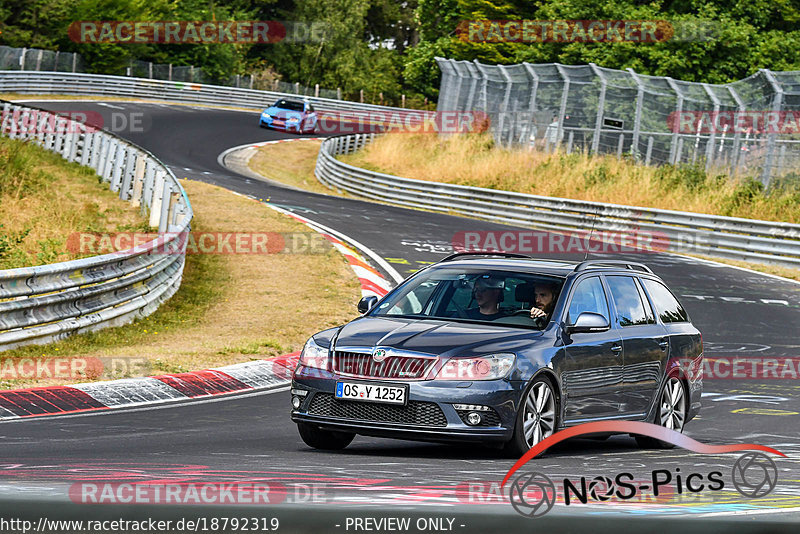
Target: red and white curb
point(95, 396)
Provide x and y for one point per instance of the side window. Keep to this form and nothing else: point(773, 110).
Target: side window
point(667, 306)
point(630, 310)
point(309, 108)
point(588, 296)
point(648, 310)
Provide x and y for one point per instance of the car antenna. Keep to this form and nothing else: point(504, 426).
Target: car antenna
point(591, 232)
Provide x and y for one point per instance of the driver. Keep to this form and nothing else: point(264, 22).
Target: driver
point(488, 294)
point(544, 301)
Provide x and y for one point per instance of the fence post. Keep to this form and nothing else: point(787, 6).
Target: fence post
point(39, 60)
point(674, 153)
point(712, 139)
point(619, 144)
point(169, 73)
point(297, 88)
point(338, 93)
point(601, 108)
point(649, 150)
point(361, 95)
point(74, 61)
point(150, 70)
point(22, 59)
point(562, 111)
point(637, 121)
point(403, 100)
point(777, 106)
point(736, 134)
point(316, 90)
point(55, 68)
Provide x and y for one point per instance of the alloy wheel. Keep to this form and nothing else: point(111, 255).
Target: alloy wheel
point(673, 405)
point(540, 413)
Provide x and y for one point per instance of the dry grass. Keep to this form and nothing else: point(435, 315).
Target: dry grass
point(230, 308)
point(473, 160)
point(291, 164)
point(44, 199)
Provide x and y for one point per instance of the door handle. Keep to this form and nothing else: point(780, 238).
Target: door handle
point(616, 348)
point(663, 343)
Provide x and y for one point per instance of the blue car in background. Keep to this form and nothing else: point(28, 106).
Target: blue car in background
point(290, 115)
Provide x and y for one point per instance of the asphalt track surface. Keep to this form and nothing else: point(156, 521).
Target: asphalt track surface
point(250, 437)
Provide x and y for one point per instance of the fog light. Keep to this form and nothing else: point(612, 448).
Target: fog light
point(473, 418)
point(296, 402)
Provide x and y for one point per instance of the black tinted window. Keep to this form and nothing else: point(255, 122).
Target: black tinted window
point(588, 296)
point(289, 104)
point(667, 306)
point(630, 310)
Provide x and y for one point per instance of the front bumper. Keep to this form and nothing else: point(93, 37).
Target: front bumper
point(282, 125)
point(431, 402)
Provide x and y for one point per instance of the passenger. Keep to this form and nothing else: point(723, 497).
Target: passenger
point(488, 294)
point(544, 295)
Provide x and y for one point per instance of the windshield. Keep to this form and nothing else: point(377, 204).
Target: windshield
point(289, 104)
point(475, 295)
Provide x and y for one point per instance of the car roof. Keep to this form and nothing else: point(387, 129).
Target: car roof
point(544, 266)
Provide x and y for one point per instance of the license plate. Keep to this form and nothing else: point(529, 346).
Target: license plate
point(278, 123)
point(360, 391)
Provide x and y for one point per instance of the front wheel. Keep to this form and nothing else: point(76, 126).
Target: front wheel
point(315, 437)
point(670, 413)
point(537, 417)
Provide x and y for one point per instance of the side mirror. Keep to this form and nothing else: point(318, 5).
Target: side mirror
point(588, 322)
point(366, 304)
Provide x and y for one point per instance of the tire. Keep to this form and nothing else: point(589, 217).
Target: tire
point(671, 412)
point(315, 437)
point(539, 427)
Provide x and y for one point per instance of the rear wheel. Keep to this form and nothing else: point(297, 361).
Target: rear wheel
point(328, 440)
point(537, 417)
point(670, 413)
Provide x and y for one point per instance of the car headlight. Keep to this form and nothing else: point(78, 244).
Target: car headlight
point(314, 356)
point(489, 367)
point(265, 116)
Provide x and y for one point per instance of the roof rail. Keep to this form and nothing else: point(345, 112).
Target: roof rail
point(478, 253)
point(588, 264)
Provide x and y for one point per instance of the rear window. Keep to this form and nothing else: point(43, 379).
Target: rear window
point(667, 306)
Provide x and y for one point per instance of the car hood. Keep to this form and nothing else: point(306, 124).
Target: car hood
point(280, 113)
point(439, 337)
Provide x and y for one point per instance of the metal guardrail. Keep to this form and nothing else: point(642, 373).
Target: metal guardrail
point(675, 231)
point(35, 82)
point(50, 302)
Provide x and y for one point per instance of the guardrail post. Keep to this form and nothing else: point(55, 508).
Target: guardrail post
point(111, 160)
point(172, 212)
point(127, 175)
point(620, 144)
point(67, 127)
point(40, 133)
point(147, 187)
point(601, 108)
point(163, 219)
point(6, 119)
point(102, 160)
point(138, 180)
point(155, 202)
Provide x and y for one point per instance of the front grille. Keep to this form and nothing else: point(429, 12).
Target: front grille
point(415, 413)
point(393, 367)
